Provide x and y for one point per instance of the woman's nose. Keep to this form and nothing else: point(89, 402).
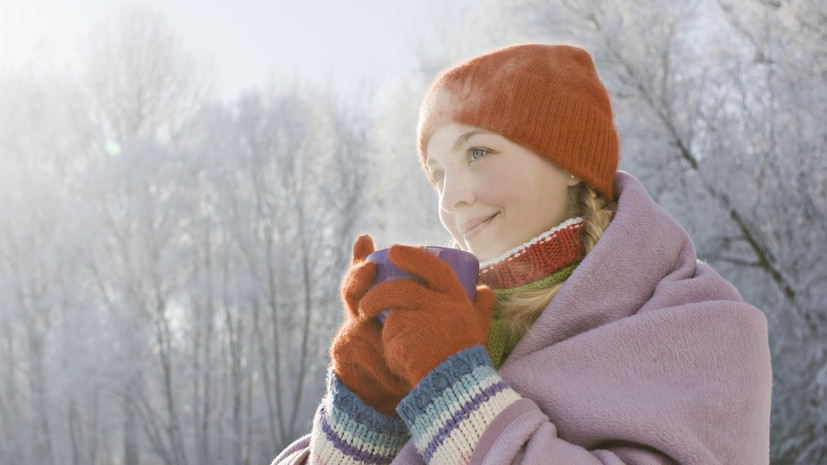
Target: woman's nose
point(457, 191)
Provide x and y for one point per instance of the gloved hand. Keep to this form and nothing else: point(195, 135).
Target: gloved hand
point(428, 321)
point(356, 349)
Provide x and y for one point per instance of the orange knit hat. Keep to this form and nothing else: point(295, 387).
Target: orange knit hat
point(546, 98)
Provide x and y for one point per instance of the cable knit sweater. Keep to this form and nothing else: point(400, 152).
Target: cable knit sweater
point(644, 356)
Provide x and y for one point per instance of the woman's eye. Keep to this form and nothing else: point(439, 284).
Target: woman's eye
point(477, 153)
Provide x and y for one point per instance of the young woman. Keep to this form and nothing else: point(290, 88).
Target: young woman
point(595, 337)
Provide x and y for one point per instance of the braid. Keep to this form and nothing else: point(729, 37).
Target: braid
point(521, 310)
point(596, 215)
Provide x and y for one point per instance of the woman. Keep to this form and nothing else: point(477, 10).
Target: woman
point(595, 336)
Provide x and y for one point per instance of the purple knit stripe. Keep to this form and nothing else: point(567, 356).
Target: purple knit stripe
point(346, 448)
point(467, 409)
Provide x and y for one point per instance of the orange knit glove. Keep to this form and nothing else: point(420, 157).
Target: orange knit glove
point(428, 321)
point(357, 347)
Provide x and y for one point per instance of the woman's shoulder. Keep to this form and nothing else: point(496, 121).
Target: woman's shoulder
point(644, 261)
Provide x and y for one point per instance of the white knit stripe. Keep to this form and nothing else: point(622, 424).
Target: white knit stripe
point(322, 451)
point(352, 431)
point(442, 409)
point(326, 451)
point(541, 238)
point(460, 444)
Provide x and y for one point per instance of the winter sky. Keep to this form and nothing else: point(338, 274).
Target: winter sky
point(248, 42)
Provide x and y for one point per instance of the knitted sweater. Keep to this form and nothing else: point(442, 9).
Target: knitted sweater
point(644, 356)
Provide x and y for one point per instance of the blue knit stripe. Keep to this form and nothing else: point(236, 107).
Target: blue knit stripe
point(462, 395)
point(455, 421)
point(347, 449)
point(348, 431)
point(348, 407)
point(453, 404)
point(469, 367)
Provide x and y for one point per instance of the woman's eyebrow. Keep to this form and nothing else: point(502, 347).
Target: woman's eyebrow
point(461, 139)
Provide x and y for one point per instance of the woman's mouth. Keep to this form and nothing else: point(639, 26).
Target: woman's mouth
point(473, 227)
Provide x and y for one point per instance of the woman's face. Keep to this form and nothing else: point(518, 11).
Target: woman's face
point(494, 194)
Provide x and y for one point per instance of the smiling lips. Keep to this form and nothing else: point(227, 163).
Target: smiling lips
point(473, 226)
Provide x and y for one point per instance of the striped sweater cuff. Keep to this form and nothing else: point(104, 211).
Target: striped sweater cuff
point(450, 409)
point(348, 431)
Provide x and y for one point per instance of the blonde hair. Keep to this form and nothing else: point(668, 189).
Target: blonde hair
point(519, 311)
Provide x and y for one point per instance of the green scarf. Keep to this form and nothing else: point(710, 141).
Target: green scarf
point(543, 262)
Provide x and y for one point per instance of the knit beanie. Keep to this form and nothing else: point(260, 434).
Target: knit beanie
point(547, 98)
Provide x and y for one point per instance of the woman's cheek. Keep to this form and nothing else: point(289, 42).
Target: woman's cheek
point(448, 222)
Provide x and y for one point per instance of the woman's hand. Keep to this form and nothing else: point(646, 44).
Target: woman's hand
point(428, 321)
point(357, 348)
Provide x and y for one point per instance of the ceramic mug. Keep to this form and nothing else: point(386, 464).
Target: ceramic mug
point(464, 264)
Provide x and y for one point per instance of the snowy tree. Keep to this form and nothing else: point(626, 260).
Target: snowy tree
point(290, 201)
point(140, 80)
point(40, 145)
point(169, 266)
point(143, 90)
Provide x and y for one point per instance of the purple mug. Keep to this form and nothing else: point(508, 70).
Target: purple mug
point(465, 265)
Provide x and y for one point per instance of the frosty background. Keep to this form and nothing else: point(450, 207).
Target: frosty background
point(169, 259)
